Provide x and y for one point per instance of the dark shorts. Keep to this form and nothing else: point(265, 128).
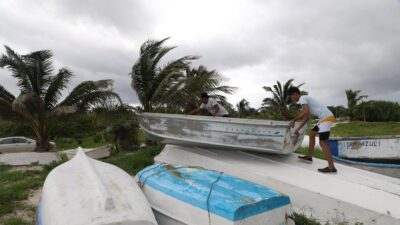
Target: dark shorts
point(322, 136)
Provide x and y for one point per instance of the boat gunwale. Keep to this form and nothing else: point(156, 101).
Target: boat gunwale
point(271, 123)
point(189, 142)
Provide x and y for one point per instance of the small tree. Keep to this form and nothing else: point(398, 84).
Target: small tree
point(280, 98)
point(353, 98)
point(39, 101)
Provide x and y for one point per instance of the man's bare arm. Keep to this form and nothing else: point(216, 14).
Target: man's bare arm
point(194, 111)
point(305, 115)
point(216, 107)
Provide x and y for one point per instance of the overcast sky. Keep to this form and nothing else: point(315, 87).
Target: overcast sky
point(329, 45)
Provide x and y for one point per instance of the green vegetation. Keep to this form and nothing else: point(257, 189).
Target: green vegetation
point(174, 87)
point(136, 161)
point(280, 105)
point(39, 103)
point(317, 152)
point(86, 142)
point(16, 221)
point(357, 128)
point(15, 186)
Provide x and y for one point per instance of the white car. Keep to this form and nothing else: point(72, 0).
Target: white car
point(18, 144)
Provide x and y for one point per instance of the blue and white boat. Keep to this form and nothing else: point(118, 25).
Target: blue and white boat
point(366, 148)
point(196, 196)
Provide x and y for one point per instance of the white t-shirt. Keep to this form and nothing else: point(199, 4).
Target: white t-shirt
point(316, 108)
point(209, 106)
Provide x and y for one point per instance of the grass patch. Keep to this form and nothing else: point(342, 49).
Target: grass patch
point(141, 137)
point(358, 128)
point(301, 219)
point(317, 152)
point(15, 221)
point(133, 162)
point(93, 141)
point(15, 186)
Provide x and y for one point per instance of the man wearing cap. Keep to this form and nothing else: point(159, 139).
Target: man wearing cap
point(212, 106)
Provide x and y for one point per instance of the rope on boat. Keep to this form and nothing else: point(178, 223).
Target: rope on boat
point(380, 165)
point(142, 183)
point(209, 194)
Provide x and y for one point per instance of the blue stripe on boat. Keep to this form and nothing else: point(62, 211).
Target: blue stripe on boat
point(232, 198)
point(39, 214)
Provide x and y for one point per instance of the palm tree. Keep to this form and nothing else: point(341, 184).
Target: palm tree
point(244, 108)
point(280, 100)
point(353, 98)
point(198, 80)
point(38, 103)
point(174, 86)
point(156, 86)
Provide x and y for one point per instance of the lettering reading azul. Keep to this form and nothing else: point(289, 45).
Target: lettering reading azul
point(359, 144)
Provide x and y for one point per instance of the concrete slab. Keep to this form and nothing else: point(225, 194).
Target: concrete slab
point(27, 158)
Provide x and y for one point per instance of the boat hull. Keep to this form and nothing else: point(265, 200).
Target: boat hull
point(368, 148)
point(86, 191)
point(337, 197)
point(221, 133)
point(202, 197)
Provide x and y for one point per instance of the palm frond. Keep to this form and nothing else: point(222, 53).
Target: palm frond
point(63, 110)
point(39, 69)
point(15, 63)
point(84, 88)
point(57, 84)
point(6, 95)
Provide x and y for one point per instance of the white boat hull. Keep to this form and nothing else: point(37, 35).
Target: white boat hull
point(350, 195)
point(221, 133)
point(85, 191)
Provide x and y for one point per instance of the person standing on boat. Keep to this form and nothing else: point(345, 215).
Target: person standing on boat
point(326, 119)
point(211, 105)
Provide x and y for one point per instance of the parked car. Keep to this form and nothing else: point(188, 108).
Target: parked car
point(18, 144)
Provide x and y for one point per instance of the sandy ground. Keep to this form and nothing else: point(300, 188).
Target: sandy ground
point(28, 208)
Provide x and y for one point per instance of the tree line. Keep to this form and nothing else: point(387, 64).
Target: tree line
point(173, 87)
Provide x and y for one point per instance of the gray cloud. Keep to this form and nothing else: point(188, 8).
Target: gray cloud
point(329, 45)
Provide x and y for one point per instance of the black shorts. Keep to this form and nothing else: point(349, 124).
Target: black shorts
point(322, 136)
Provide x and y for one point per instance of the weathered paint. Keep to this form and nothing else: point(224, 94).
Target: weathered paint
point(350, 195)
point(366, 147)
point(230, 201)
point(87, 191)
point(221, 133)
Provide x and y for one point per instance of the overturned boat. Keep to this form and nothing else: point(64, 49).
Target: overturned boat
point(196, 196)
point(84, 191)
point(221, 132)
point(366, 148)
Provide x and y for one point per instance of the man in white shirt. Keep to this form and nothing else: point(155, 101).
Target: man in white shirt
point(211, 106)
point(326, 119)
